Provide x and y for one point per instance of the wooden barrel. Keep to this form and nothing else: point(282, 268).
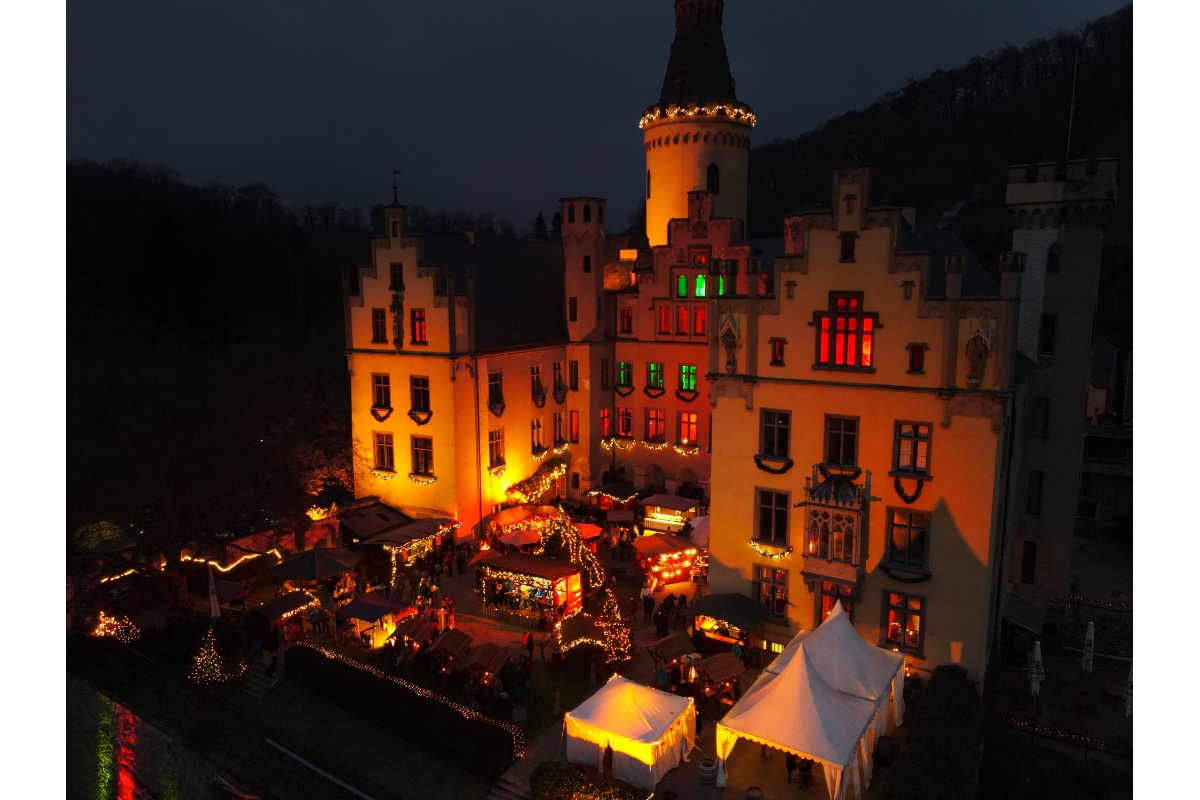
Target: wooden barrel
point(708, 772)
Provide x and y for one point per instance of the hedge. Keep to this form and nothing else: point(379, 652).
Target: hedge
point(479, 745)
point(556, 780)
point(941, 757)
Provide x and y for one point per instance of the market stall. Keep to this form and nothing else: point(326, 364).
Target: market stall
point(667, 558)
point(533, 583)
point(718, 677)
point(670, 650)
point(411, 635)
point(483, 661)
point(448, 649)
point(375, 612)
point(667, 512)
point(725, 619)
point(266, 622)
point(412, 540)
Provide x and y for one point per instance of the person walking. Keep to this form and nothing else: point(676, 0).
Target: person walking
point(647, 605)
point(527, 643)
point(545, 640)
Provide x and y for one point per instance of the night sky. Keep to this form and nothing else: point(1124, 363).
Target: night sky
point(484, 106)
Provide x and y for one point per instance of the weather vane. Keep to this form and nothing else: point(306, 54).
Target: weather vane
point(395, 172)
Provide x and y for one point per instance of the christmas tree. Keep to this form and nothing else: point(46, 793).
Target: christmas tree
point(577, 551)
point(206, 668)
point(617, 643)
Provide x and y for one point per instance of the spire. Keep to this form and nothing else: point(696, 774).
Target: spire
point(698, 70)
point(395, 197)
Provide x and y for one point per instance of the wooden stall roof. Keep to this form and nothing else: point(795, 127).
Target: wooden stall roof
point(670, 648)
point(451, 644)
point(276, 608)
point(485, 657)
point(654, 545)
point(415, 628)
point(538, 566)
point(721, 667)
point(670, 501)
point(370, 520)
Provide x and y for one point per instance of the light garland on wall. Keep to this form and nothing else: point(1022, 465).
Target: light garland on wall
point(685, 450)
point(532, 488)
point(578, 553)
point(498, 470)
point(654, 446)
point(422, 480)
point(118, 576)
point(383, 476)
point(621, 443)
point(313, 603)
point(559, 449)
point(517, 734)
point(771, 554)
point(121, 629)
point(1066, 736)
point(733, 112)
point(614, 498)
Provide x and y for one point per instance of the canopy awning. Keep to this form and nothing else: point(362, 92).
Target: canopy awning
point(670, 648)
point(371, 519)
point(511, 516)
point(538, 566)
point(721, 667)
point(417, 629)
point(588, 530)
point(1024, 612)
point(312, 565)
point(451, 644)
point(371, 607)
point(736, 609)
point(673, 502)
point(486, 657)
point(660, 544)
point(700, 528)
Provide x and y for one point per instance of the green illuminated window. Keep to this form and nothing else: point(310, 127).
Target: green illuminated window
point(682, 286)
point(701, 285)
point(625, 373)
point(687, 377)
point(720, 286)
point(654, 375)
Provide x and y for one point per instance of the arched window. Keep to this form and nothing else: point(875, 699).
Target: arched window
point(714, 179)
point(664, 319)
point(1052, 259)
point(587, 212)
point(570, 212)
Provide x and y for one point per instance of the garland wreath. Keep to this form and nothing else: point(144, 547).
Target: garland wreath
point(905, 496)
point(903, 578)
point(380, 413)
point(784, 467)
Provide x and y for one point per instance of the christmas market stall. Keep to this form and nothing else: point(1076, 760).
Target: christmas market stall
point(671, 650)
point(667, 512)
point(667, 558)
point(533, 583)
point(725, 619)
point(483, 661)
point(270, 622)
point(373, 613)
point(618, 501)
point(412, 540)
point(649, 732)
point(448, 650)
point(718, 676)
point(411, 635)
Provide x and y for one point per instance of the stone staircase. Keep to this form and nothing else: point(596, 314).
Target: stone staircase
point(508, 789)
point(256, 682)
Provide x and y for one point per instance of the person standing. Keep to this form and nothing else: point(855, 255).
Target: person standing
point(790, 762)
point(614, 540)
point(647, 604)
point(527, 643)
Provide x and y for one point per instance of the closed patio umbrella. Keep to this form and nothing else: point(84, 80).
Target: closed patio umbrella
point(1037, 672)
point(1089, 647)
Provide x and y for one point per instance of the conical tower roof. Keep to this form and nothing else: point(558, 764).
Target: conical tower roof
point(698, 71)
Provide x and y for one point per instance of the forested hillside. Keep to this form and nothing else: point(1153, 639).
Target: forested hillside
point(943, 144)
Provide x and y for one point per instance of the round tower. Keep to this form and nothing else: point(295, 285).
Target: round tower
point(697, 136)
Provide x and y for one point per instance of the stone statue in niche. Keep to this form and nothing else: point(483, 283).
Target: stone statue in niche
point(977, 353)
point(729, 340)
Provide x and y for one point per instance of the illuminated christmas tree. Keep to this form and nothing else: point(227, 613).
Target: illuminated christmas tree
point(206, 668)
point(617, 643)
point(572, 544)
point(121, 629)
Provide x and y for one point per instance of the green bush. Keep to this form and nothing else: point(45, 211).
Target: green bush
point(940, 759)
point(427, 721)
point(556, 780)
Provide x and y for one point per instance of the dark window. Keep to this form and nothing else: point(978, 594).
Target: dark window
point(654, 375)
point(495, 388)
point(1046, 335)
point(419, 334)
point(831, 593)
point(1028, 561)
point(587, 263)
point(908, 538)
point(572, 309)
point(573, 375)
point(647, 184)
point(775, 434)
point(1033, 497)
point(700, 314)
point(535, 380)
point(558, 424)
point(625, 422)
point(841, 440)
point(381, 391)
point(418, 392)
point(384, 455)
point(845, 334)
point(625, 373)
point(574, 480)
point(848, 240)
point(422, 455)
point(378, 325)
point(397, 278)
point(395, 229)
point(713, 179)
point(656, 425)
point(535, 435)
point(587, 212)
point(770, 588)
point(573, 427)
point(626, 320)
point(496, 447)
point(916, 357)
point(664, 319)
point(558, 377)
point(604, 377)
point(911, 454)
point(772, 516)
point(902, 621)
point(1052, 258)
point(777, 351)
point(1040, 423)
point(600, 214)
point(687, 377)
point(687, 432)
point(605, 423)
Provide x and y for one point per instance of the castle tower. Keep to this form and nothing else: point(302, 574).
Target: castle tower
point(697, 136)
point(583, 254)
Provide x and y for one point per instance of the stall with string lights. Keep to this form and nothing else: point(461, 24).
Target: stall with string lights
point(411, 635)
point(665, 557)
point(726, 619)
point(618, 501)
point(265, 621)
point(484, 662)
point(413, 540)
point(533, 583)
point(667, 513)
point(449, 648)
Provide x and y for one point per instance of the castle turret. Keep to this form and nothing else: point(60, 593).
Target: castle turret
point(583, 254)
point(697, 136)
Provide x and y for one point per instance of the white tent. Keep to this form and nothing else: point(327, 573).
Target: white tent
point(650, 731)
point(825, 697)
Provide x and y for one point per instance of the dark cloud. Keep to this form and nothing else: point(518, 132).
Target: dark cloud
point(485, 106)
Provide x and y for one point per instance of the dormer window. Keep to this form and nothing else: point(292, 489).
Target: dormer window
point(845, 333)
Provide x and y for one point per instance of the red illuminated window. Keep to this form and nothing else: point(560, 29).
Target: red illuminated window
point(770, 586)
point(664, 319)
point(845, 333)
point(701, 317)
point(831, 593)
point(656, 425)
point(687, 428)
point(902, 622)
point(605, 423)
point(573, 427)
point(681, 320)
point(626, 320)
point(419, 334)
point(777, 351)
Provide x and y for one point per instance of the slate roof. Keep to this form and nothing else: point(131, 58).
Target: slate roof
point(939, 243)
point(698, 70)
point(512, 276)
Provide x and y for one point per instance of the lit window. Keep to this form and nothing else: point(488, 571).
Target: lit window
point(605, 423)
point(664, 319)
point(700, 315)
point(625, 422)
point(831, 535)
point(654, 375)
point(908, 538)
point(418, 390)
point(422, 455)
point(775, 433)
point(628, 254)
point(626, 320)
point(378, 325)
point(625, 373)
point(687, 424)
point(841, 440)
point(681, 320)
point(384, 456)
point(777, 352)
point(846, 334)
point(911, 455)
point(831, 594)
point(701, 285)
point(381, 391)
point(772, 510)
point(419, 335)
point(656, 425)
point(573, 427)
point(770, 588)
point(902, 622)
point(687, 377)
point(681, 286)
point(496, 447)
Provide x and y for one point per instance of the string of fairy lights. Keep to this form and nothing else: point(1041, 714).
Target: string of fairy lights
point(383, 475)
point(207, 666)
point(422, 480)
point(772, 554)
point(532, 488)
point(517, 734)
point(625, 445)
point(120, 628)
point(1057, 733)
point(737, 113)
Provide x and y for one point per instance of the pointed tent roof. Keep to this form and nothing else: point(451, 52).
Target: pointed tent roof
point(847, 662)
point(797, 710)
point(630, 710)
